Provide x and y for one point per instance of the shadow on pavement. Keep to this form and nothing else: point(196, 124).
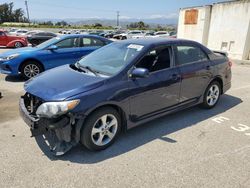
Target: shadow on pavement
point(14, 79)
point(156, 129)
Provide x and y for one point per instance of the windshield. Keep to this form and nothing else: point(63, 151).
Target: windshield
point(111, 58)
point(48, 42)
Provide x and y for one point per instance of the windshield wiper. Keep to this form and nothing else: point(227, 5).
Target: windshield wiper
point(84, 68)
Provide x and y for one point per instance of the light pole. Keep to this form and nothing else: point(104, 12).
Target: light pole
point(27, 10)
point(117, 20)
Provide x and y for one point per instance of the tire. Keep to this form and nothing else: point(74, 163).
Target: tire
point(212, 95)
point(94, 134)
point(31, 69)
point(18, 45)
point(124, 38)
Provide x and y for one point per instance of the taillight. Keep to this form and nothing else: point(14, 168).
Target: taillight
point(230, 63)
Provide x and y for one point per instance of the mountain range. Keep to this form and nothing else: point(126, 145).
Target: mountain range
point(112, 22)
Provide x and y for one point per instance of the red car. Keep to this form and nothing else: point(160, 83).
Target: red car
point(11, 40)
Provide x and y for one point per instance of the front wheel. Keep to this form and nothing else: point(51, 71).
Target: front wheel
point(31, 69)
point(212, 95)
point(101, 129)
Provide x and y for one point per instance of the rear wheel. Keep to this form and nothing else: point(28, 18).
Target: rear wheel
point(18, 45)
point(31, 69)
point(101, 129)
point(212, 95)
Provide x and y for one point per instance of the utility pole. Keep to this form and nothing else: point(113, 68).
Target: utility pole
point(27, 10)
point(118, 15)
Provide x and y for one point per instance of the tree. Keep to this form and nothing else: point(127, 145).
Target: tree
point(97, 25)
point(138, 25)
point(8, 14)
point(61, 23)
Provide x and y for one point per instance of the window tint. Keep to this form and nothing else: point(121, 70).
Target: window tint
point(189, 54)
point(87, 42)
point(41, 34)
point(50, 34)
point(156, 59)
point(68, 43)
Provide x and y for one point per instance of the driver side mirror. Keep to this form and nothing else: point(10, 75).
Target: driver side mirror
point(139, 73)
point(52, 47)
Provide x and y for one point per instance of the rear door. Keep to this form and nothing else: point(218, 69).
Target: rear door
point(88, 45)
point(194, 66)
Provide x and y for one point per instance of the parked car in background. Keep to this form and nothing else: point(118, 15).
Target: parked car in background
point(12, 41)
point(112, 34)
point(173, 34)
point(40, 37)
point(22, 32)
point(12, 31)
point(161, 34)
point(128, 35)
point(32, 32)
point(120, 86)
point(66, 49)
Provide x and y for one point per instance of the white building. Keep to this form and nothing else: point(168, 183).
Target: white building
point(222, 26)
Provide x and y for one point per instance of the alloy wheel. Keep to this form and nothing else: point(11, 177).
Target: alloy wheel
point(104, 130)
point(213, 95)
point(31, 70)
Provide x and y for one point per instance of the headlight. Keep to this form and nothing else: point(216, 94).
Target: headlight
point(9, 57)
point(50, 109)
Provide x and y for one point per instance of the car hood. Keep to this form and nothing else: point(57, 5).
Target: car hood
point(60, 83)
point(19, 51)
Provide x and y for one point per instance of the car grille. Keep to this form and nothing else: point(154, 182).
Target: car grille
point(32, 103)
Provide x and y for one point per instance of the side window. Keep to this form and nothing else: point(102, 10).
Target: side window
point(87, 42)
point(68, 43)
point(189, 54)
point(1, 33)
point(157, 59)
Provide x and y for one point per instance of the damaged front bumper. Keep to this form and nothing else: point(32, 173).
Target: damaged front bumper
point(65, 129)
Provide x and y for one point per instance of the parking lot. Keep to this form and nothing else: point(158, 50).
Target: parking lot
point(192, 148)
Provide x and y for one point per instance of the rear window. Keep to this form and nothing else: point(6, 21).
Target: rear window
point(189, 54)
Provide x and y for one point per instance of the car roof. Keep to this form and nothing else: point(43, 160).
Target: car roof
point(154, 41)
point(150, 42)
point(80, 35)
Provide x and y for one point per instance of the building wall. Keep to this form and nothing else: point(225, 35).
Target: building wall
point(222, 26)
point(229, 28)
point(199, 31)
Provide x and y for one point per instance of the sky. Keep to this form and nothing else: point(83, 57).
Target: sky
point(100, 9)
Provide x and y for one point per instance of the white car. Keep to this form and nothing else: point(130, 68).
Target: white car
point(18, 32)
point(161, 34)
point(129, 35)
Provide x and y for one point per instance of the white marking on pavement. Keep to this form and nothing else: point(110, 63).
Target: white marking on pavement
point(220, 119)
point(241, 128)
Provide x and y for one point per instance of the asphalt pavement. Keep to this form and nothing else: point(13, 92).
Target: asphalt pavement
point(191, 148)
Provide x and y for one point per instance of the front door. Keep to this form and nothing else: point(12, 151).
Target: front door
point(67, 53)
point(3, 39)
point(160, 89)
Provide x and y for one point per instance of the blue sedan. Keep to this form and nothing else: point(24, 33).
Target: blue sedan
point(55, 52)
point(120, 86)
